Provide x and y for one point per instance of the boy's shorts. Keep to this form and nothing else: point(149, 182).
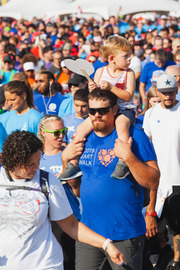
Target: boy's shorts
point(171, 213)
point(129, 113)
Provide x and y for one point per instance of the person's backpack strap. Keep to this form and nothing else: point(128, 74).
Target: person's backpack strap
point(44, 183)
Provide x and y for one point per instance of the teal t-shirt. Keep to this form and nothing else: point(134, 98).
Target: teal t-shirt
point(28, 121)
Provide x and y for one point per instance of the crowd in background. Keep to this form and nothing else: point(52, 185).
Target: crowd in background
point(35, 81)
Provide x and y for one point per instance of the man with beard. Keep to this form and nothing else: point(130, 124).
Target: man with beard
point(48, 100)
point(110, 206)
point(162, 125)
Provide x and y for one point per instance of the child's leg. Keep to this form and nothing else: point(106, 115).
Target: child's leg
point(72, 170)
point(123, 124)
point(82, 131)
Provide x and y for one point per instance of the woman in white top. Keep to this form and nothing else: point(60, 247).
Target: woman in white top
point(27, 241)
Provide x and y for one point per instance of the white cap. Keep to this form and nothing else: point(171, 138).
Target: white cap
point(29, 66)
point(166, 83)
point(163, 17)
point(63, 64)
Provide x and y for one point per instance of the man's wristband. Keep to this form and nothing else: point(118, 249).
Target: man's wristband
point(152, 214)
point(106, 242)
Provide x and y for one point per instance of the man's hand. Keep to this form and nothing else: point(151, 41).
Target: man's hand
point(151, 226)
point(122, 149)
point(116, 256)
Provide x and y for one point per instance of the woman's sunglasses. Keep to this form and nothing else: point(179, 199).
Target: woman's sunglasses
point(101, 111)
point(58, 132)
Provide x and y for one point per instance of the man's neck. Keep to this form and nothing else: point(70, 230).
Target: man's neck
point(48, 94)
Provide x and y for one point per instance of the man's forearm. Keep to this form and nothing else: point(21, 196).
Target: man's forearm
point(146, 173)
point(142, 91)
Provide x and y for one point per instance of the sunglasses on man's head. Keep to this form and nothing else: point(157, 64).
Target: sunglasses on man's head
point(101, 111)
point(58, 132)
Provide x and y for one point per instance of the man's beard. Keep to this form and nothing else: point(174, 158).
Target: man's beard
point(98, 126)
point(169, 106)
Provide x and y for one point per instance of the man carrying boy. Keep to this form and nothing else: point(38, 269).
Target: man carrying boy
point(110, 206)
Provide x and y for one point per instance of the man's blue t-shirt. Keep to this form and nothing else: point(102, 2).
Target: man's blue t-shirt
point(28, 121)
point(71, 122)
point(48, 105)
point(112, 207)
point(53, 164)
point(147, 72)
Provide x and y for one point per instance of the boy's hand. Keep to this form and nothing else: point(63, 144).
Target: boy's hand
point(92, 86)
point(105, 85)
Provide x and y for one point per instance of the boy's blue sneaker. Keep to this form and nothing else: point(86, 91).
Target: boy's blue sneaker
point(121, 170)
point(70, 172)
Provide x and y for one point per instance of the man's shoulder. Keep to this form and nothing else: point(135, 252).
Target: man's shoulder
point(59, 96)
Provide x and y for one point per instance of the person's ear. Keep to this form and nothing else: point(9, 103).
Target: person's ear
point(24, 96)
point(111, 58)
point(115, 109)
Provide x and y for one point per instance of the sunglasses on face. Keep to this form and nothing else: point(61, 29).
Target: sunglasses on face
point(58, 132)
point(101, 111)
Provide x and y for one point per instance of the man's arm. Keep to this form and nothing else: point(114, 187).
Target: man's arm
point(151, 223)
point(82, 233)
point(146, 173)
point(142, 91)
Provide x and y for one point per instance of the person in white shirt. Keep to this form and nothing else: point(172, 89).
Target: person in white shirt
point(162, 125)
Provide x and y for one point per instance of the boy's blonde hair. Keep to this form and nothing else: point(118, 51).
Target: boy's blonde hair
point(114, 44)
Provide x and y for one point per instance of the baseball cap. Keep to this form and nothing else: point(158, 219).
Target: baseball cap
point(166, 83)
point(67, 46)
point(163, 17)
point(139, 53)
point(156, 74)
point(75, 79)
point(29, 66)
point(2, 97)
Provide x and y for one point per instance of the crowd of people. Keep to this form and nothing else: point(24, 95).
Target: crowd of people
point(90, 166)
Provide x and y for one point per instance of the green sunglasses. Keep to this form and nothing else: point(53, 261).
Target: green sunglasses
point(58, 132)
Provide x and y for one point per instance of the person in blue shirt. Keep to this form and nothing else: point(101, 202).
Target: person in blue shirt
point(7, 72)
point(49, 100)
point(51, 132)
point(71, 121)
point(160, 63)
point(22, 114)
point(110, 206)
point(75, 83)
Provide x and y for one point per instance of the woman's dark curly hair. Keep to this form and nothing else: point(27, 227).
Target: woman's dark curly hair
point(18, 148)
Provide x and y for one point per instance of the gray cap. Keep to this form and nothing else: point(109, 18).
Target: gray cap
point(139, 53)
point(166, 83)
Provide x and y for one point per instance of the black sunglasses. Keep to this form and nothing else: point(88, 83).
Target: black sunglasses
point(101, 111)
